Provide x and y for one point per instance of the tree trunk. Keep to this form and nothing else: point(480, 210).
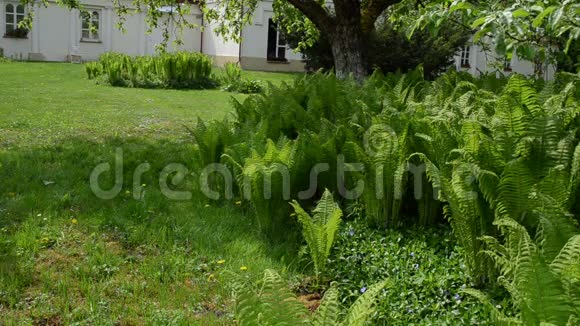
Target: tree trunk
point(344, 31)
point(348, 51)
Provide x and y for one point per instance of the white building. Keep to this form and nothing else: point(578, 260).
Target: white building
point(474, 60)
point(59, 34)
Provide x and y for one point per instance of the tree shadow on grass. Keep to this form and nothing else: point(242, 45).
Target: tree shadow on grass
point(53, 183)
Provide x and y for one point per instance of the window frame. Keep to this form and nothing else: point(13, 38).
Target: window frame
point(277, 45)
point(16, 17)
point(507, 65)
point(94, 34)
point(465, 56)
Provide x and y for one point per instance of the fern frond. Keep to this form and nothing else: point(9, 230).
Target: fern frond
point(361, 310)
point(567, 257)
point(319, 230)
point(329, 311)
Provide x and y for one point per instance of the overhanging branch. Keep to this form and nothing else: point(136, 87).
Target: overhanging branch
point(372, 11)
point(315, 12)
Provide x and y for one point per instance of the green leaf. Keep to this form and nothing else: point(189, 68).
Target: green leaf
point(540, 19)
point(461, 6)
point(520, 13)
point(481, 33)
point(478, 22)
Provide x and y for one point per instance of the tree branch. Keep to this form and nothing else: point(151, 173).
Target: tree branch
point(315, 12)
point(372, 11)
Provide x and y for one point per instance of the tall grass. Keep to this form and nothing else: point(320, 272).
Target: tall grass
point(180, 70)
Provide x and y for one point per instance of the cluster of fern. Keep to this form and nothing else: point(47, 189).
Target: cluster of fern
point(232, 80)
point(272, 303)
point(168, 70)
point(473, 152)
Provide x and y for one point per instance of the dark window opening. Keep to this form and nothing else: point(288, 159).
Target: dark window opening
point(465, 57)
point(276, 43)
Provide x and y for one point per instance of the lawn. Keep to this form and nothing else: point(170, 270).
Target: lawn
point(44, 104)
point(67, 256)
point(496, 192)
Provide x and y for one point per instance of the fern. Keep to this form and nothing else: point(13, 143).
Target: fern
point(274, 304)
point(538, 286)
point(320, 229)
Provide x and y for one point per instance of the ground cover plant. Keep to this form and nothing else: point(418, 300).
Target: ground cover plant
point(398, 200)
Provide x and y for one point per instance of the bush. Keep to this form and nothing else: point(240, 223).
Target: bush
point(180, 70)
point(250, 86)
point(233, 81)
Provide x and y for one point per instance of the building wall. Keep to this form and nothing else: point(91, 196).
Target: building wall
point(56, 34)
point(255, 45)
point(12, 48)
point(487, 62)
point(252, 53)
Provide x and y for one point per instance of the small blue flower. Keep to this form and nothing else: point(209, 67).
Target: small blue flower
point(416, 266)
point(457, 297)
point(412, 254)
point(410, 311)
point(363, 289)
point(351, 232)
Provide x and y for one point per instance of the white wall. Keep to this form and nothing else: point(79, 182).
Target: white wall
point(56, 33)
point(13, 48)
point(255, 36)
point(488, 62)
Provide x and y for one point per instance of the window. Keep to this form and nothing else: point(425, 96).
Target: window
point(14, 15)
point(539, 68)
point(465, 54)
point(91, 26)
point(507, 64)
point(276, 43)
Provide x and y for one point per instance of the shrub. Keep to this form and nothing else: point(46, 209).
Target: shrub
point(168, 70)
point(233, 81)
point(93, 69)
point(250, 86)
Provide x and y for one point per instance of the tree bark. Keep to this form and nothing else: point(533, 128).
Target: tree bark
point(345, 31)
point(348, 51)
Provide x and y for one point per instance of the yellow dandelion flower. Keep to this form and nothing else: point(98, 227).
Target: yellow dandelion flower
point(244, 268)
point(221, 261)
point(74, 221)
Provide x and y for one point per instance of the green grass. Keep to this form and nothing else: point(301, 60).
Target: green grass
point(67, 256)
point(47, 103)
